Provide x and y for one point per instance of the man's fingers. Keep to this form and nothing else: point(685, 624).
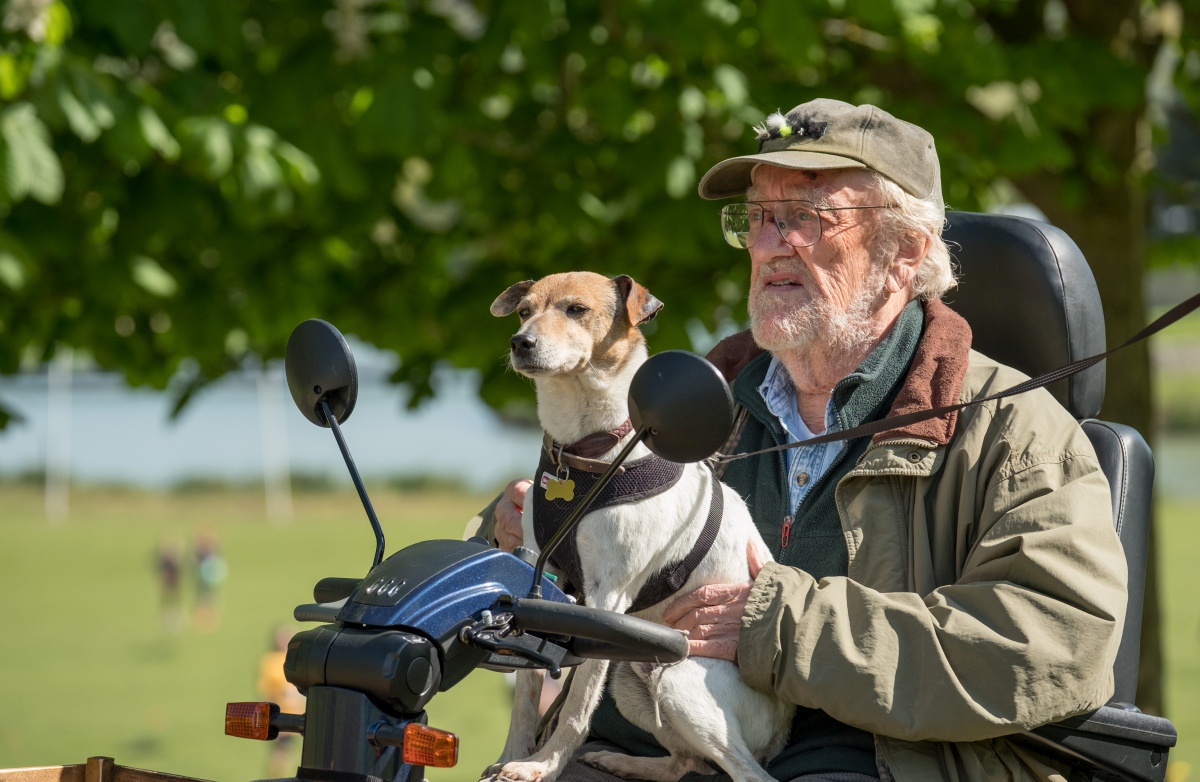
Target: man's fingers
point(520, 489)
point(723, 595)
point(729, 614)
point(507, 541)
point(714, 631)
point(724, 650)
point(705, 595)
point(516, 490)
point(508, 516)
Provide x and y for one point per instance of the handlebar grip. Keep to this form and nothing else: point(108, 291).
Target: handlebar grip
point(603, 650)
point(331, 590)
point(318, 612)
point(626, 637)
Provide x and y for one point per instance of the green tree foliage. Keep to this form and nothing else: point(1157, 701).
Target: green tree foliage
point(181, 182)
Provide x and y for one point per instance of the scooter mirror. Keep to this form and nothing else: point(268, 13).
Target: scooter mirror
point(319, 365)
point(686, 404)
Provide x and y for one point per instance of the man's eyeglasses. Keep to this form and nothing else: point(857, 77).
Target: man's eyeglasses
point(798, 222)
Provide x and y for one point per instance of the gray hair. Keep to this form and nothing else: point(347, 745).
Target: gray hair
point(924, 217)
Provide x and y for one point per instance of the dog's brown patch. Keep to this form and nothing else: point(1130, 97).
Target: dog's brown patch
point(596, 314)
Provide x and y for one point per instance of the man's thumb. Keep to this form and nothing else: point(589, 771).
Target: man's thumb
point(754, 559)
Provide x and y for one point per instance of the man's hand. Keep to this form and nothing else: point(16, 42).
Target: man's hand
point(712, 614)
point(508, 514)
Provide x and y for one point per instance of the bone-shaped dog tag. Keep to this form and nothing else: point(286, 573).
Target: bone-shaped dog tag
point(560, 490)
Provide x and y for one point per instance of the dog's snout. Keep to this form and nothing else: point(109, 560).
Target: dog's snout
point(522, 343)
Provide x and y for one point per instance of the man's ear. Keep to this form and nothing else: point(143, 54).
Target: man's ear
point(640, 305)
point(909, 257)
point(506, 303)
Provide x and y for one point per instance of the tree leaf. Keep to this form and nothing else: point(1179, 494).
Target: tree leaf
point(213, 140)
point(153, 277)
point(79, 118)
point(156, 133)
point(12, 273)
point(30, 166)
point(681, 176)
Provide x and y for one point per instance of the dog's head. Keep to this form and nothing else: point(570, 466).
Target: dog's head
point(575, 322)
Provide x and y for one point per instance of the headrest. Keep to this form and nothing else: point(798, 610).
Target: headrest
point(1031, 300)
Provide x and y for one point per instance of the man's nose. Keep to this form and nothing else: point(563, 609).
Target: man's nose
point(771, 246)
point(770, 240)
point(522, 344)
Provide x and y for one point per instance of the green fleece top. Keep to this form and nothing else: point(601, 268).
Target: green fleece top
point(816, 544)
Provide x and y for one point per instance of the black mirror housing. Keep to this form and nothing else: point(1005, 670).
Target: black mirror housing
point(685, 402)
point(319, 365)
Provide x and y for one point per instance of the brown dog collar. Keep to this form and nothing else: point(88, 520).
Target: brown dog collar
point(582, 453)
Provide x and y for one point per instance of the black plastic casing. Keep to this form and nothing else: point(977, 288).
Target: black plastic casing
point(400, 671)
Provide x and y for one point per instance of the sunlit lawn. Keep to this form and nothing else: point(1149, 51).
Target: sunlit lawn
point(86, 667)
point(1179, 549)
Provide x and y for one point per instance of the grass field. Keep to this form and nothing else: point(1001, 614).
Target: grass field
point(86, 667)
point(1179, 547)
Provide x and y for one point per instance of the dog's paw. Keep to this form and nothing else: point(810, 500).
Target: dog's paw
point(605, 761)
point(615, 763)
point(520, 771)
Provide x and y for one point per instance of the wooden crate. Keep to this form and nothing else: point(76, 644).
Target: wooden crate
point(97, 769)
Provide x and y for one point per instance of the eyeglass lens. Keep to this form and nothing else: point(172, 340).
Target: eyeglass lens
point(796, 221)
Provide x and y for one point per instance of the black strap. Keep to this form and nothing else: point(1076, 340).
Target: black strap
point(897, 421)
point(740, 417)
point(643, 478)
point(671, 578)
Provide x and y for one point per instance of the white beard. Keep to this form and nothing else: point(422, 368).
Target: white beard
point(819, 321)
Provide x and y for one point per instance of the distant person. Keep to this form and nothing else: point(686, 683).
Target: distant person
point(211, 571)
point(273, 687)
point(169, 566)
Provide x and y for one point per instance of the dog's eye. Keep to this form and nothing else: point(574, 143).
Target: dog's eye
point(577, 309)
point(524, 313)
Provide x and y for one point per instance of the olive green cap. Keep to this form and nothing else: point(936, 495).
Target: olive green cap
point(826, 133)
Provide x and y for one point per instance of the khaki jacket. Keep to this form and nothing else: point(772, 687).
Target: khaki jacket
point(986, 587)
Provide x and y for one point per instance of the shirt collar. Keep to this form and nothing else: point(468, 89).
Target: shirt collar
point(779, 393)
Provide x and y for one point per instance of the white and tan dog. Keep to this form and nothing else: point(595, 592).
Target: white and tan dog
point(580, 343)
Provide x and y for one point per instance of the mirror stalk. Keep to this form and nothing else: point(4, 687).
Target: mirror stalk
point(535, 591)
point(331, 419)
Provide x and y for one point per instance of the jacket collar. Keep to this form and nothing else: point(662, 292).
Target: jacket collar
point(934, 379)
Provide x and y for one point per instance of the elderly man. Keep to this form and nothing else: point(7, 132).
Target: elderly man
point(936, 587)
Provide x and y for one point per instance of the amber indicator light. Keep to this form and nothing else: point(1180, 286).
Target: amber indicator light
point(248, 720)
point(426, 746)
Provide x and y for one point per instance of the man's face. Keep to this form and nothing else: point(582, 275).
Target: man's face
point(826, 292)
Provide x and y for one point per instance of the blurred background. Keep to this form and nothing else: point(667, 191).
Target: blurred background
point(183, 181)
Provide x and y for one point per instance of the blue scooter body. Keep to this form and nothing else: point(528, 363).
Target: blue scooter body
point(431, 587)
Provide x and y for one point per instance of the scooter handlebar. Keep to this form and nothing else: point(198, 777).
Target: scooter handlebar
point(600, 633)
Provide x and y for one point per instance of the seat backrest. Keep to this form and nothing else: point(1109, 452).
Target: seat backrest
point(1031, 300)
point(1032, 303)
point(1129, 467)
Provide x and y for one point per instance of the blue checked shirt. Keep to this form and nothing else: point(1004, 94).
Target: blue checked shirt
point(808, 463)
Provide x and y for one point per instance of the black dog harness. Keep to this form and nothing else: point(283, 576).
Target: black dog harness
point(638, 480)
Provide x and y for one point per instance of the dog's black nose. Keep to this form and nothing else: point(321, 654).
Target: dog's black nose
point(522, 343)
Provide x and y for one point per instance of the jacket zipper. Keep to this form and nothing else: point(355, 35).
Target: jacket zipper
point(787, 531)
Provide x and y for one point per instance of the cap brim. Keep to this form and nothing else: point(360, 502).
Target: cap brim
point(731, 177)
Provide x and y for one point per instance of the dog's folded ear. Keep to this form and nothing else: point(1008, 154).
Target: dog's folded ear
point(640, 304)
point(506, 303)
